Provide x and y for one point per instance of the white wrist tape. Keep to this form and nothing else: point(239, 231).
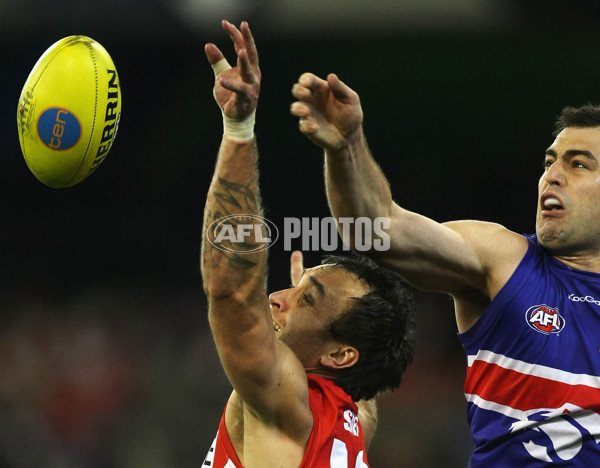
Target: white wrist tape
point(239, 129)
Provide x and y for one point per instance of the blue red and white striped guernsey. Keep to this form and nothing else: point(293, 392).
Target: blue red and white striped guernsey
point(533, 376)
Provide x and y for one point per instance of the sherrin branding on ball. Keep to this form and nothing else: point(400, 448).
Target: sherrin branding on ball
point(69, 111)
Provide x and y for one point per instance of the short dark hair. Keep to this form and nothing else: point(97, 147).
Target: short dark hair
point(381, 325)
point(587, 115)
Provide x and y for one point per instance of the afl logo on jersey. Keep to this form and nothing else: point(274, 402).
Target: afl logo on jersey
point(545, 319)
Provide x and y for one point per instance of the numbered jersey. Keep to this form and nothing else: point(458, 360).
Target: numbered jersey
point(336, 440)
point(533, 377)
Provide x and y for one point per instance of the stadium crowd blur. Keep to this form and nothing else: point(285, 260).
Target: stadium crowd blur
point(110, 378)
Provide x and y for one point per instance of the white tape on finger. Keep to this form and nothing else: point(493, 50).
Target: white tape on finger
point(220, 66)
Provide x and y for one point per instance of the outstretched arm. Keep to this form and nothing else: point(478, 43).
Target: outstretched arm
point(331, 116)
point(234, 274)
point(460, 258)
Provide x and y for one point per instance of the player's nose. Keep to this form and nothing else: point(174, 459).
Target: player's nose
point(280, 299)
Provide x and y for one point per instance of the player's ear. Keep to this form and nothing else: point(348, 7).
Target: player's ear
point(341, 357)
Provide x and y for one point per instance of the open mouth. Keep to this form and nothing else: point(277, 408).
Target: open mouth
point(552, 203)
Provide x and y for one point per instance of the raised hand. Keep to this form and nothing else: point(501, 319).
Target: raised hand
point(236, 88)
point(330, 112)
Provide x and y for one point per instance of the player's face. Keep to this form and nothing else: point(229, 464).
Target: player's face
point(568, 212)
point(301, 315)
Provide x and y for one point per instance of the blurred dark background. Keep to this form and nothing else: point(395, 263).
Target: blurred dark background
point(105, 355)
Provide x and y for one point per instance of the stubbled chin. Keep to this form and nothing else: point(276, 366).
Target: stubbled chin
point(546, 233)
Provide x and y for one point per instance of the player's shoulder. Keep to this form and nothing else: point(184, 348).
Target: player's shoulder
point(478, 226)
point(498, 248)
point(488, 235)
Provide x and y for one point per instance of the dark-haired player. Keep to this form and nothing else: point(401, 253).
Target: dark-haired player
point(299, 358)
point(527, 306)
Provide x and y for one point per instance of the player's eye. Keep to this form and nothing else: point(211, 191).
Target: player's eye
point(308, 299)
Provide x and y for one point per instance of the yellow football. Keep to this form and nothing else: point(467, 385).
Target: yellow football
point(69, 111)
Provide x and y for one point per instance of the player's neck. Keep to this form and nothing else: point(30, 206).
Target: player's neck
point(321, 372)
point(584, 261)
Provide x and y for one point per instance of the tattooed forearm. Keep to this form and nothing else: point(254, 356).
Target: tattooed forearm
point(215, 255)
point(232, 203)
point(232, 237)
point(237, 197)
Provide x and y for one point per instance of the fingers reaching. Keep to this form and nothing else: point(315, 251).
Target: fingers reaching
point(249, 44)
point(329, 111)
point(234, 34)
point(311, 81)
point(237, 86)
point(308, 90)
point(339, 89)
point(309, 87)
point(245, 49)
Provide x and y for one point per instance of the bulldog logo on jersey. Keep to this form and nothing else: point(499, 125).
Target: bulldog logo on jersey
point(545, 319)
